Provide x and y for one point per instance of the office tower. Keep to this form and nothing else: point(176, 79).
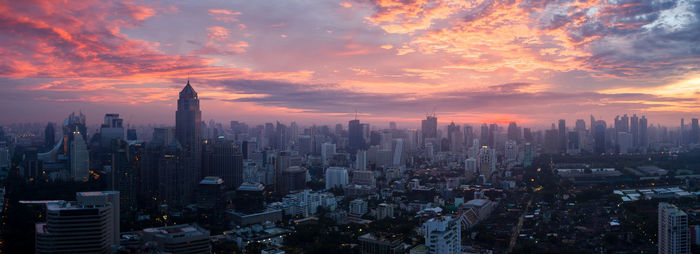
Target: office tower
point(492, 135)
point(183, 238)
point(131, 135)
point(293, 179)
point(573, 145)
point(527, 135)
point(562, 136)
point(356, 140)
point(250, 198)
point(169, 188)
point(268, 137)
point(643, 132)
point(111, 129)
point(454, 136)
point(634, 130)
point(468, 135)
point(580, 125)
point(336, 177)
point(443, 235)
point(599, 137)
point(225, 162)
point(361, 160)
point(305, 145)
point(682, 136)
point(210, 193)
point(484, 135)
point(327, 152)
point(49, 136)
point(385, 139)
point(399, 157)
point(624, 142)
point(293, 132)
point(188, 131)
point(71, 124)
point(79, 158)
point(551, 143)
point(392, 125)
point(674, 235)
point(513, 132)
point(487, 161)
point(429, 128)
point(694, 131)
point(88, 225)
point(163, 136)
point(528, 154)
point(511, 150)
point(281, 136)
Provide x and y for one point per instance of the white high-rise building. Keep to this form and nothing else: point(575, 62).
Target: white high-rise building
point(442, 235)
point(674, 235)
point(398, 157)
point(90, 224)
point(336, 177)
point(79, 158)
point(487, 161)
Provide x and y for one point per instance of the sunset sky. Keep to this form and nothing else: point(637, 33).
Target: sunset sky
point(472, 61)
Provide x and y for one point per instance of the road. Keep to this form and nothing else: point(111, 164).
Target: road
point(516, 228)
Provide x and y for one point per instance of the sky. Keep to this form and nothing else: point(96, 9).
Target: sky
point(318, 61)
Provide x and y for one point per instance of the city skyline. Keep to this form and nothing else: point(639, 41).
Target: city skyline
point(470, 62)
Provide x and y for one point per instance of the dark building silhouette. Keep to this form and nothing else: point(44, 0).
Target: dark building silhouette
point(223, 159)
point(429, 127)
point(49, 136)
point(599, 136)
point(356, 140)
point(188, 132)
point(562, 136)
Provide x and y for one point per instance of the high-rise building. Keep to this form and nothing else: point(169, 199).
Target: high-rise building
point(188, 131)
point(336, 177)
point(484, 135)
point(573, 145)
point(88, 225)
point(674, 235)
point(79, 158)
point(527, 135)
point(528, 154)
point(599, 136)
point(443, 235)
point(634, 130)
point(562, 136)
point(643, 133)
point(454, 136)
point(49, 136)
point(511, 150)
point(112, 128)
point(356, 140)
point(293, 178)
point(327, 152)
point(429, 128)
point(513, 132)
point(487, 161)
point(225, 161)
point(361, 160)
point(580, 125)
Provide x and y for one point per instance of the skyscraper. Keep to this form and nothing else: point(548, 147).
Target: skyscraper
point(643, 134)
point(513, 132)
point(634, 130)
point(112, 128)
point(49, 136)
point(694, 131)
point(79, 158)
point(429, 127)
point(356, 139)
point(562, 136)
point(599, 136)
point(188, 131)
point(674, 236)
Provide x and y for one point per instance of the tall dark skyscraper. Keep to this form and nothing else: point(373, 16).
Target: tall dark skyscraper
point(513, 132)
point(599, 136)
point(562, 136)
point(49, 136)
point(484, 135)
point(356, 140)
point(634, 129)
point(643, 134)
point(188, 132)
point(429, 127)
